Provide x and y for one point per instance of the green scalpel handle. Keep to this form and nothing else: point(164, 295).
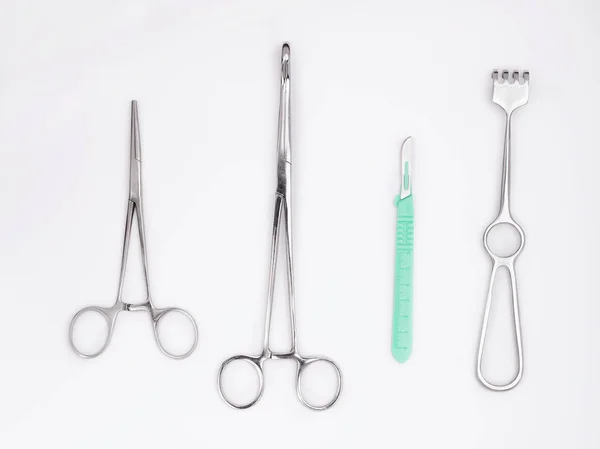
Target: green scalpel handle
point(402, 326)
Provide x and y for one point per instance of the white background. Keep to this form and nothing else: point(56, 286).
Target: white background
point(365, 76)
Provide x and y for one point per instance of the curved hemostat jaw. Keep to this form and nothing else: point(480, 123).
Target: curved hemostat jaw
point(283, 131)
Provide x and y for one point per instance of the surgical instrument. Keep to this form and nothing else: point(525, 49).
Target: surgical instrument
point(134, 207)
point(282, 224)
point(510, 92)
point(402, 324)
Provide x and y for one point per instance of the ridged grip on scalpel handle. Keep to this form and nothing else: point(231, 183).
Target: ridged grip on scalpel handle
point(402, 326)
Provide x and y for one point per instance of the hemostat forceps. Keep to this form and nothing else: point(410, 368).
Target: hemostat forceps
point(282, 225)
point(134, 206)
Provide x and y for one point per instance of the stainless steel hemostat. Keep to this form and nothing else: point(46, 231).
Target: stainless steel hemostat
point(282, 223)
point(134, 206)
point(511, 91)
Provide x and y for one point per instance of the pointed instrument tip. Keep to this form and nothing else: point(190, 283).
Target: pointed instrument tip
point(136, 150)
point(406, 168)
point(134, 113)
point(134, 109)
point(407, 146)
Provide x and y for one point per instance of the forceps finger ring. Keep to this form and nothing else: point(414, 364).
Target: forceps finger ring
point(110, 316)
point(256, 363)
point(303, 364)
point(158, 315)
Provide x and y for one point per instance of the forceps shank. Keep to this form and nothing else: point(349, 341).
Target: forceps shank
point(132, 209)
point(280, 215)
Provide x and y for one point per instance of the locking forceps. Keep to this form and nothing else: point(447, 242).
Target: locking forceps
point(134, 206)
point(281, 224)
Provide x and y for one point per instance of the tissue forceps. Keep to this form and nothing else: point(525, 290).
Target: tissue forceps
point(281, 224)
point(134, 206)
